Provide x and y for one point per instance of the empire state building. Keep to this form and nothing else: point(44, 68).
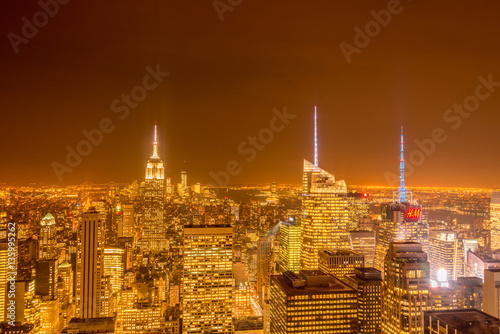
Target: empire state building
point(154, 234)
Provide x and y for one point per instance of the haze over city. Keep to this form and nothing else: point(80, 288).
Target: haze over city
point(227, 71)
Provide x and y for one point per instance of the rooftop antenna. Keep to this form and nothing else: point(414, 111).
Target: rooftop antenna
point(155, 147)
point(315, 138)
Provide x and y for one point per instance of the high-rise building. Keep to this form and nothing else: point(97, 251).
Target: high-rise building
point(495, 220)
point(340, 261)
point(3, 278)
point(46, 278)
point(405, 293)
point(207, 280)
point(49, 317)
point(114, 266)
point(92, 293)
point(325, 222)
point(47, 241)
point(290, 238)
point(460, 322)
point(154, 232)
point(365, 242)
point(128, 230)
point(324, 225)
point(446, 255)
point(184, 183)
point(264, 262)
point(242, 295)
point(368, 284)
point(403, 220)
point(312, 302)
point(65, 292)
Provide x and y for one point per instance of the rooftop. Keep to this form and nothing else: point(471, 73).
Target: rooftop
point(315, 282)
point(465, 319)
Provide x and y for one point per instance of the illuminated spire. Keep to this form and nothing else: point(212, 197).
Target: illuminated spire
point(155, 147)
point(402, 188)
point(315, 139)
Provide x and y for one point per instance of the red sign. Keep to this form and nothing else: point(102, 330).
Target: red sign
point(413, 213)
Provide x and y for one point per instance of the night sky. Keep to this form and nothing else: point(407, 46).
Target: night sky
point(225, 78)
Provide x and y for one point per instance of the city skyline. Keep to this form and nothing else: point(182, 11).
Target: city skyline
point(214, 87)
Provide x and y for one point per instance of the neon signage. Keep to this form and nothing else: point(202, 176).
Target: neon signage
point(413, 214)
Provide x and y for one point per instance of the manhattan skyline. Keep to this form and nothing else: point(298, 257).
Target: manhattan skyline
point(226, 77)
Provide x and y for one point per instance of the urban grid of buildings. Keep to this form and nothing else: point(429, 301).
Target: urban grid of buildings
point(161, 257)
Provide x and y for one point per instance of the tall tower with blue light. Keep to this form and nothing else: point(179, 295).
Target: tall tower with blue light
point(402, 187)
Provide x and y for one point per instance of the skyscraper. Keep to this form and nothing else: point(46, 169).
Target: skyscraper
point(114, 266)
point(312, 302)
point(128, 220)
point(207, 280)
point(402, 220)
point(184, 183)
point(3, 278)
point(264, 261)
point(92, 293)
point(405, 293)
point(290, 237)
point(46, 278)
point(325, 221)
point(446, 252)
point(154, 233)
point(365, 243)
point(47, 241)
point(495, 220)
point(368, 284)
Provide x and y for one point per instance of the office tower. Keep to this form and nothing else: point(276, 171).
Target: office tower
point(312, 302)
point(446, 252)
point(27, 306)
point(91, 291)
point(264, 262)
point(495, 220)
point(340, 261)
point(325, 222)
point(49, 317)
point(469, 292)
point(402, 220)
point(47, 241)
point(324, 225)
point(405, 293)
point(128, 230)
point(460, 322)
point(207, 280)
point(491, 292)
point(3, 277)
point(46, 278)
point(184, 184)
point(364, 242)
point(65, 292)
point(154, 233)
point(290, 238)
point(368, 284)
point(242, 301)
point(357, 208)
point(114, 266)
